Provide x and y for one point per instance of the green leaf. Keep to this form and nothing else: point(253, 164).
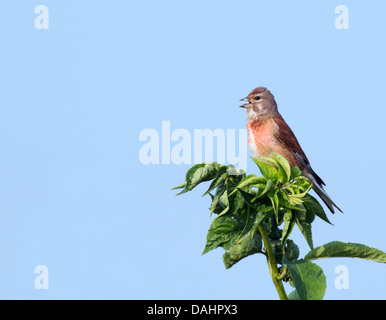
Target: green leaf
point(222, 232)
point(284, 200)
point(309, 279)
point(295, 199)
point(304, 188)
point(251, 181)
point(219, 200)
point(219, 180)
point(263, 212)
point(275, 203)
point(232, 181)
point(263, 191)
point(243, 247)
point(237, 204)
point(266, 167)
point(270, 160)
point(304, 226)
point(251, 196)
point(348, 250)
point(293, 295)
point(313, 205)
point(295, 172)
point(291, 250)
point(248, 197)
point(183, 185)
point(232, 171)
point(284, 167)
point(200, 173)
point(289, 223)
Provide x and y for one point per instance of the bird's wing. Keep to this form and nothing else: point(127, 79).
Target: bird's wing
point(286, 137)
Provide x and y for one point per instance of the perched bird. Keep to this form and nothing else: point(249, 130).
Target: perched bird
point(267, 131)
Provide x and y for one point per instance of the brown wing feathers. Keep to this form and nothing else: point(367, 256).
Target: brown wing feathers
point(288, 139)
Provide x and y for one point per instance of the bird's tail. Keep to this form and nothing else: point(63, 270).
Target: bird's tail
point(322, 194)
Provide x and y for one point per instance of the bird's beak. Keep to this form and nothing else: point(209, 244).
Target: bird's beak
point(245, 105)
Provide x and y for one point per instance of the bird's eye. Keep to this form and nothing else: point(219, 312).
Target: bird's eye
point(257, 98)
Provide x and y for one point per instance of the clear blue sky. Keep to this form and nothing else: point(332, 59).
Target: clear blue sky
point(74, 195)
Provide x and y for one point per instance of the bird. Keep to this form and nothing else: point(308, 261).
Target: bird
point(268, 131)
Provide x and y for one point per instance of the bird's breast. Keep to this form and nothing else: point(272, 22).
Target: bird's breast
point(261, 137)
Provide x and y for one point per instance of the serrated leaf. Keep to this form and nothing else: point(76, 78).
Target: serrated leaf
point(291, 250)
point(289, 223)
point(284, 167)
point(248, 197)
point(200, 173)
point(304, 227)
point(310, 216)
point(263, 191)
point(237, 204)
point(269, 160)
point(243, 247)
point(266, 168)
point(308, 277)
point(250, 181)
point(218, 180)
point(263, 212)
point(313, 205)
point(293, 295)
point(231, 185)
point(219, 200)
point(232, 171)
point(183, 185)
point(222, 232)
point(275, 203)
point(339, 249)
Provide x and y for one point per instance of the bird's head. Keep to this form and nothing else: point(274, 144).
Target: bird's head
point(260, 102)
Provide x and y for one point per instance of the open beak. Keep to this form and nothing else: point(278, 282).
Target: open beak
point(245, 105)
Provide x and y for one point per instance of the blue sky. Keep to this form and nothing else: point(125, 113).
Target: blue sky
point(75, 196)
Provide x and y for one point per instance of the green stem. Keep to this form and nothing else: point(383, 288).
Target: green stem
point(272, 264)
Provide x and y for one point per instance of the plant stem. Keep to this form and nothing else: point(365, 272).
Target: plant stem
point(272, 264)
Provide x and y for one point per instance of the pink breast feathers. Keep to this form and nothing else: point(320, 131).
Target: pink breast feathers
point(261, 136)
